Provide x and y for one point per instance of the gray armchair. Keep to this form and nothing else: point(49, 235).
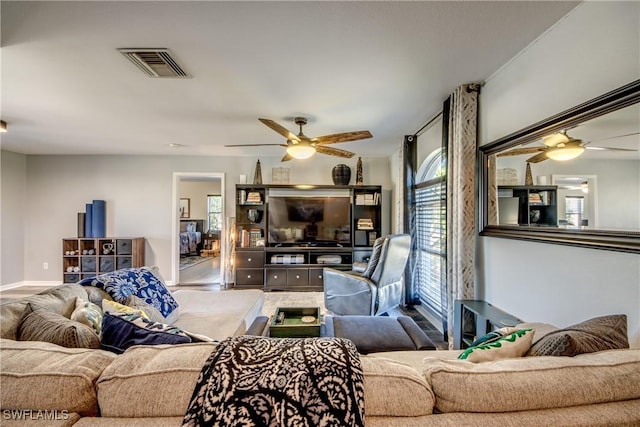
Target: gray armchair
point(374, 289)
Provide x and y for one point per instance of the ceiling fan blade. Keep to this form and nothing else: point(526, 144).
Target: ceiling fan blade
point(286, 157)
point(256, 145)
point(342, 137)
point(589, 147)
point(537, 158)
point(614, 137)
point(334, 151)
point(519, 151)
point(280, 129)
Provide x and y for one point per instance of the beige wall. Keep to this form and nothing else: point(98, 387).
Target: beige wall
point(595, 49)
point(197, 192)
point(13, 206)
point(138, 191)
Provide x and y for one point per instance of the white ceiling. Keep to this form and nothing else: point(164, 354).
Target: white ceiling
point(383, 66)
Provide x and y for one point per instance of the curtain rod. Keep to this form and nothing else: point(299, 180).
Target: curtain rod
point(423, 128)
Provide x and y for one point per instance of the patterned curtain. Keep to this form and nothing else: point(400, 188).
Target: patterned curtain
point(492, 208)
point(461, 196)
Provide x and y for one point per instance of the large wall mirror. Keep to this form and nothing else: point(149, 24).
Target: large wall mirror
point(571, 179)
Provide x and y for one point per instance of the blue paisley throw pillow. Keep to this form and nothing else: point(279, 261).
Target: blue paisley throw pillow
point(141, 282)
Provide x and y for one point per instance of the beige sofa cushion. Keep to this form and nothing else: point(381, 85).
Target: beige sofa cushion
point(394, 389)
point(129, 422)
point(39, 419)
point(534, 382)
point(61, 300)
point(152, 381)
point(391, 388)
point(613, 414)
point(42, 376)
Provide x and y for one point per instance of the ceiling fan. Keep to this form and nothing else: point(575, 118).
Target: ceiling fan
point(560, 146)
point(301, 146)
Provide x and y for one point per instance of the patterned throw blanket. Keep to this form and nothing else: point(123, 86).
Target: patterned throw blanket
point(258, 381)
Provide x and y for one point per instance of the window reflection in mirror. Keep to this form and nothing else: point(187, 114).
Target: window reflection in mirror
point(597, 190)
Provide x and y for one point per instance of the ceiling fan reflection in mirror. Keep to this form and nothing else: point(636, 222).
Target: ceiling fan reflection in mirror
point(561, 147)
point(301, 146)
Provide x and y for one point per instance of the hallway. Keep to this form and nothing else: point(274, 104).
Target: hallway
point(204, 273)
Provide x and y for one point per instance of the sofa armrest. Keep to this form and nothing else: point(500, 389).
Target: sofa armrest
point(359, 267)
point(259, 327)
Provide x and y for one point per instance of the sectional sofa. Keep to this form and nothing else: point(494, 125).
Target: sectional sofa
point(46, 384)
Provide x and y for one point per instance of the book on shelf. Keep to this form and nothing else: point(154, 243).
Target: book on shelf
point(535, 199)
point(254, 198)
point(365, 224)
point(367, 199)
point(243, 238)
point(254, 235)
point(372, 237)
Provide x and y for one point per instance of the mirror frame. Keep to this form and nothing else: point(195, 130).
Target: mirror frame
point(622, 241)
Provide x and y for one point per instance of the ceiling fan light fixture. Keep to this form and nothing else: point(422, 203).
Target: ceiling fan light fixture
point(555, 139)
point(300, 151)
point(565, 153)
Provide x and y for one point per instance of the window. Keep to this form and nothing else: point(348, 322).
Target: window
point(429, 274)
point(214, 204)
point(574, 210)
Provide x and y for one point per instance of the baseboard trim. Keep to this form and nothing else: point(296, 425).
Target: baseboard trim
point(28, 283)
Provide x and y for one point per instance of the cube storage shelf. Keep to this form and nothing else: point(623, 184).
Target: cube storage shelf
point(88, 257)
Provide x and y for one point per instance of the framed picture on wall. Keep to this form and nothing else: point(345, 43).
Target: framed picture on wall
point(185, 207)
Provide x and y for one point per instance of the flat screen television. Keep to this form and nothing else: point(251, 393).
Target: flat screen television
point(304, 220)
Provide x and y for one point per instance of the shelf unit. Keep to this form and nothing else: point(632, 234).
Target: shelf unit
point(88, 257)
point(537, 204)
point(366, 215)
point(253, 261)
point(251, 215)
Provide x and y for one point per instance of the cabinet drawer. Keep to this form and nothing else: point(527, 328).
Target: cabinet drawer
point(315, 277)
point(249, 259)
point(276, 277)
point(298, 277)
point(249, 276)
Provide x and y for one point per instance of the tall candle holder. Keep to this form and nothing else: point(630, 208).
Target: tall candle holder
point(230, 254)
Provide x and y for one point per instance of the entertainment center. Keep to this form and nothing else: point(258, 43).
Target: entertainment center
point(287, 234)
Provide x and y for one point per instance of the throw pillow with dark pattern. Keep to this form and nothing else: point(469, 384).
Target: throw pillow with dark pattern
point(121, 331)
point(143, 282)
point(597, 334)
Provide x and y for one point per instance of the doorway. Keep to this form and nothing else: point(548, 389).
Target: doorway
point(196, 241)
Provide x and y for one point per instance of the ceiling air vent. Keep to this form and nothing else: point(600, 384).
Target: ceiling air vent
point(156, 62)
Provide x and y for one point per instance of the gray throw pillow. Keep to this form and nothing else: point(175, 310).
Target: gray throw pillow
point(597, 334)
point(39, 324)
